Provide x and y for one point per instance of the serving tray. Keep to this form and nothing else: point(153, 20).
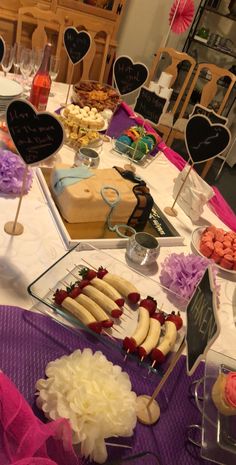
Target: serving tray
point(94, 233)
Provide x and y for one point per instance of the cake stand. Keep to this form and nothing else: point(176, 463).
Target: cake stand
point(217, 432)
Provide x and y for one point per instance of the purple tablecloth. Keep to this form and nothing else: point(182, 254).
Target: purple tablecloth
point(29, 341)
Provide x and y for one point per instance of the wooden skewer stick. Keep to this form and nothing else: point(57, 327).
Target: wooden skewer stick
point(126, 355)
point(170, 210)
point(72, 274)
point(167, 373)
point(87, 263)
point(148, 410)
point(70, 81)
point(12, 227)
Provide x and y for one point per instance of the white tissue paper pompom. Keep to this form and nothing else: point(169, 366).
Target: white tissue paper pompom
point(94, 395)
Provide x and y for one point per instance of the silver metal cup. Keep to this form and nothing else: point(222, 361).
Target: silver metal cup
point(87, 157)
point(143, 248)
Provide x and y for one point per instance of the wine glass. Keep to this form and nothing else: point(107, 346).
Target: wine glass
point(26, 64)
point(37, 59)
point(17, 49)
point(54, 69)
point(7, 59)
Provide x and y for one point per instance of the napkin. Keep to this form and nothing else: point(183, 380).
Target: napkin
point(194, 195)
point(24, 439)
point(67, 176)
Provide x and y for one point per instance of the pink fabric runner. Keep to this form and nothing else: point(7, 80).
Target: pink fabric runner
point(217, 204)
point(24, 439)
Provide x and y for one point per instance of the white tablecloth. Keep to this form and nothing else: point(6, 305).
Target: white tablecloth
point(23, 258)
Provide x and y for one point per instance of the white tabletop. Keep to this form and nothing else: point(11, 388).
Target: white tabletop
point(23, 258)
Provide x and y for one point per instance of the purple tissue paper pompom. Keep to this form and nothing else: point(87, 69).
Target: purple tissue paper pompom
point(12, 170)
point(181, 273)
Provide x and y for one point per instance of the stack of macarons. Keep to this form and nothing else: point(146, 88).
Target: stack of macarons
point(136, 142)
point(220, 246)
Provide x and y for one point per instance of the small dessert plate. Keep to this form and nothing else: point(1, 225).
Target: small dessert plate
point(195, 240)
point(104, 128)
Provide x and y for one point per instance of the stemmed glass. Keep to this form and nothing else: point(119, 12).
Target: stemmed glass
point(26, 64)
point(37, 59)
point(16, 58)
point(54, 69)
point(7, 59)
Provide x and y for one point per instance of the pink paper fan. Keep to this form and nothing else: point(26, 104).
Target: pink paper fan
point(181, 19)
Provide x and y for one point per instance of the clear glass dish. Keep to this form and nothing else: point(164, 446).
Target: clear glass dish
point(66, 269)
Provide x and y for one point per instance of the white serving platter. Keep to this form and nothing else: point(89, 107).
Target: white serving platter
point(104, 243)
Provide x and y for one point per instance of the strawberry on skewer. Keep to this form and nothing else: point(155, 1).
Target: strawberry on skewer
point(103, 286)
point(146, 308)
point(127, 289)
point(172, 324)
point(153, 336)
point(76, 292)
point(61, 298)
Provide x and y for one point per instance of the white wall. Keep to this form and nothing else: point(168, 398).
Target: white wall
point(143, 28)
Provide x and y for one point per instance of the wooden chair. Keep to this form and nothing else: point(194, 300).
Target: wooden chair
point(208, 93)
point(45, 25)
point(177, 58)
point(101, 33)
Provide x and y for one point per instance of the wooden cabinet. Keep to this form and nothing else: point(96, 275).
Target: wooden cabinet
point(100, 17)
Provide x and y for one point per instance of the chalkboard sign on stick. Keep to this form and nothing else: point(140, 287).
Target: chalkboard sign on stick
point(149, 105)
point(202, 321)
point(77, 44)
point(2, 48)
point(129, 76)
point(36, 136)
point(210, 114)
point(205, 140)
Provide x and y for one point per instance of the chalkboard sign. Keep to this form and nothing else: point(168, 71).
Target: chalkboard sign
point(77, 44)
point(210, 114)
point(149, 105)
point(129, 76)
point(36, 136)
point(205, 140)
point(2, 49)
point(202, 322)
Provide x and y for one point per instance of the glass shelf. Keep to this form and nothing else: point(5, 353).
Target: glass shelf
point(233, 18)
point(233, 55)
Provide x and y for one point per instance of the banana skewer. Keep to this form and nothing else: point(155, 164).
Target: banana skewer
point(61, 298)
point(153, 336)
point(172, 324)
point(102, 286)
point(147, 307)
point(127, 289)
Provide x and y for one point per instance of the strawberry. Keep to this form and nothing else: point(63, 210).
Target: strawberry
point(176, 319)
point(129, 344)
point(86, 273)
point(83, 283)
point(75, 292)
point(101, 272)
point(133, 297)
point(96, 327)
point(116, 313)
point(149, 303)
point(159, 317)
point(157, 355)
point(107, 323)
point(59, 296)
point(120, 302)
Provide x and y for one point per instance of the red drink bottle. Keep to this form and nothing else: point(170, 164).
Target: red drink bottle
point(41, 84)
